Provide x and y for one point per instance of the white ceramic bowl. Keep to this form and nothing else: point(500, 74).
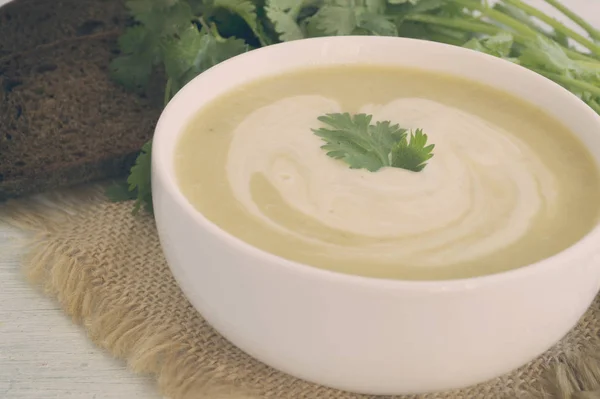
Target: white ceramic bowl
point(363, 334)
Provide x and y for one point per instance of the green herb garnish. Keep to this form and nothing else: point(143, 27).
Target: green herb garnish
point(185, 37)
point(362, 145)
point(138, 186)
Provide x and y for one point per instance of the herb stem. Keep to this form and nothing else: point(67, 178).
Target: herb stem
point(572, 83)
point(203, 24)
point(523, 29)
point(468, 26)
point(254, 26)
point(576, 55)
point(522, 17)
point(295, 11)
point(557, 26)
point(595, 106)
point(488, 29)
point(168, 88)
point(502, 18)
point(217, 35)
point(593, 32)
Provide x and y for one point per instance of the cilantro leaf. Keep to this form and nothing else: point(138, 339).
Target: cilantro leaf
point(139, 179)
point(119, 191)
point(363, 145)
point(499, 45)
point(336, 20)
point(412, 154)
point(215, 50)
point(283, 15)
point(138, 185)
point(180, 53)
point(377, 24)
point(140, 45)
point(193, 52)
point(248, 11)
point(132, 39)
point(132, 71)
point(133, 67)
point(244, 8)
point(347, 17)
point(542, 53)
point(164, 17)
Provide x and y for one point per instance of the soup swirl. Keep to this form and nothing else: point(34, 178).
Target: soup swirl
point(507, 186)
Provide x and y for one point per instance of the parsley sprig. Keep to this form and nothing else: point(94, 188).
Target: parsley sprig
point(363, 145)
point(183, 38)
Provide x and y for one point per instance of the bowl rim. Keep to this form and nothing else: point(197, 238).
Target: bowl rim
point(584, 246)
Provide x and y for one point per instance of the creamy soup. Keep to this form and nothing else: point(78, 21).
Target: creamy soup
point(507, 186)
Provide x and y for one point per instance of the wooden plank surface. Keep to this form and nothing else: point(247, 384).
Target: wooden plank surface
point(43, 355)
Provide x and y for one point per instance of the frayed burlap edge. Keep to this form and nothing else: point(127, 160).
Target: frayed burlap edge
point(145, 347)
point(150, 349)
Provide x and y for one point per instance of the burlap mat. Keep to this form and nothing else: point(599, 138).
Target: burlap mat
point(106, 269)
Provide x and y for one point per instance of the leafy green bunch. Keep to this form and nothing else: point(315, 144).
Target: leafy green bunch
point(183, 38)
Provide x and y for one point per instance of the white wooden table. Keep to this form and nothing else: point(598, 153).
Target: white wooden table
point(44, 356)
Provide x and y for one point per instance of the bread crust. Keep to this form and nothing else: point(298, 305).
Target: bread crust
point(63, 121)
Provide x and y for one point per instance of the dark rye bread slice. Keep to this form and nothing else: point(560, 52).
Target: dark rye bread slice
point(62, 120)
